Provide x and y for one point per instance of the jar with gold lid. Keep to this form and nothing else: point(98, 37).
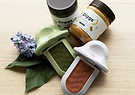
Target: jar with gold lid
point(92, 22)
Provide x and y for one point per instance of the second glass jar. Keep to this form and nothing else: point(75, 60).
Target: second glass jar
point(92, 22)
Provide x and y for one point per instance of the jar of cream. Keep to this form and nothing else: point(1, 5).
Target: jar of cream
point(63, 12)
point(92, 22)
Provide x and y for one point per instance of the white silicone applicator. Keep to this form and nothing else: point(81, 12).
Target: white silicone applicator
point(91, 59)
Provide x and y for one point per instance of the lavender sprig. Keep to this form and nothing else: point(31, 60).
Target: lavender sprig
point(25, 44)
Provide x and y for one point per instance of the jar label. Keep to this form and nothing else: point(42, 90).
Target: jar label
point(91, 23)
point(64, 23)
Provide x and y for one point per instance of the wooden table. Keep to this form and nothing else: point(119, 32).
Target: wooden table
point(31, 15)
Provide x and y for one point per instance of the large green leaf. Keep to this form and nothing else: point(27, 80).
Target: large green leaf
point(38, 75)
point(24, 61)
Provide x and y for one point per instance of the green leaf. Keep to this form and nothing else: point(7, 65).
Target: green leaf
point(38, 75)
point(25, 61)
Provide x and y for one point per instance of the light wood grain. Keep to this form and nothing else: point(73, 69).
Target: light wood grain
point(30, 15)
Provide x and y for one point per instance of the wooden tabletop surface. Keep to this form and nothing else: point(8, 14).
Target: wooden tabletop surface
point(28, 16)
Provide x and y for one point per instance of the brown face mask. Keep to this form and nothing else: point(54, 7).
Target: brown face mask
point(79, 77)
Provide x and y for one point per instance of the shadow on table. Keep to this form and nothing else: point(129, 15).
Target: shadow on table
point(106, 36)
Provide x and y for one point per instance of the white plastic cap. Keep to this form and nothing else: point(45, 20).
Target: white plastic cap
point(95, 53)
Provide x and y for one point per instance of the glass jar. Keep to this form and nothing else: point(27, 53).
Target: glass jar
point(92, 22)
point(63, 12)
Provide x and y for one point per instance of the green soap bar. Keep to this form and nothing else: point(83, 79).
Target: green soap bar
point(62, 56)
point(47, 37)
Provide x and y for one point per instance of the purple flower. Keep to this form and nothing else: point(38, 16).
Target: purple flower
point(25, 44)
